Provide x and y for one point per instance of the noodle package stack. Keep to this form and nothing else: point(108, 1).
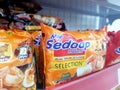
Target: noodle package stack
point(68, 54)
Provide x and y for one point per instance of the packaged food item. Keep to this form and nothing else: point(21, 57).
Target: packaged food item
point(113, 48)
point(17, 69)
point(3, 20)
point(26, 6)
point(49, 20)
point(25, 22)
point(19, 21)
point(68, 54)
point(38, 56)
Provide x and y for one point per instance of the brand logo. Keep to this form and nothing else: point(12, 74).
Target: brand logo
point(61, 44)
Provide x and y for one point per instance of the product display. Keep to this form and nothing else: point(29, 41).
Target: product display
point(69, 55)
point(60, 46)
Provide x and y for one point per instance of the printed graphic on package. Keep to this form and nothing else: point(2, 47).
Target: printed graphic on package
point(69, 50)
point(5, 52)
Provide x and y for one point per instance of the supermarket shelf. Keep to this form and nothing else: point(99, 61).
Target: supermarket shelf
point(105, 79)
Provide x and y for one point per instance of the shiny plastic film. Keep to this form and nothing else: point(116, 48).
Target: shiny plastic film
point(68, 55)
point(17, 67)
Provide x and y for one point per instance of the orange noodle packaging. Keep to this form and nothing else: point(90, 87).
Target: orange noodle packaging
point(68, 54)
point(34, 29)
point(16, 61)
point(38, 56)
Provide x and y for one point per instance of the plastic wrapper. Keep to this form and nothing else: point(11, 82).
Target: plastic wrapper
point(17, 66)
point(50, 20)
point(28, 6)
point(68, 55)
point(20, 21)
point(38, 56)
point(113, 48)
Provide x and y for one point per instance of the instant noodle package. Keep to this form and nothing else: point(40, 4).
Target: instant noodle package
point(17, 70)
point(38, 56)
point(113, 48)
point(68, 54)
